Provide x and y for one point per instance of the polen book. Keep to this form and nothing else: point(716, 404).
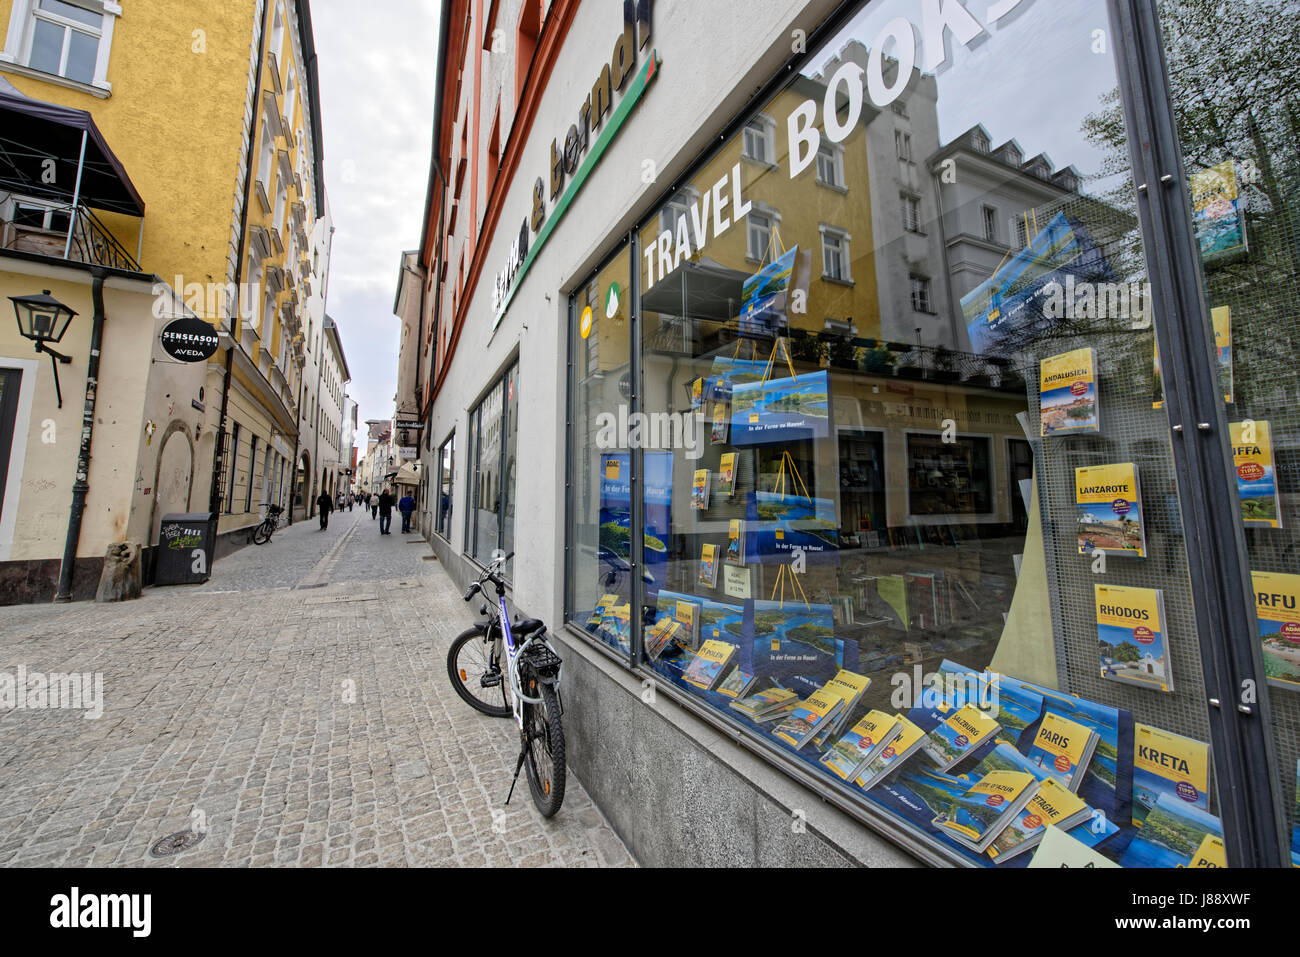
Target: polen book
point(687, 614)
point(1052, 805)
point(851, 754)
point(706, 669)
point(1063, 749)
point(976, 818)
point(1067, 396)
point(1131, 639)
point(958, 736)
point(1108, 503)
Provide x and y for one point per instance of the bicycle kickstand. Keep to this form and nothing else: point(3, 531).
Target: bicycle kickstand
point(518, 767)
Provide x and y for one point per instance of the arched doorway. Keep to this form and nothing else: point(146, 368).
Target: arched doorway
point(302, 492)
point(173, 476)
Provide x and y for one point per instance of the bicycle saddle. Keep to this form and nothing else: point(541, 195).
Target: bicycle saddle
point(522, 629)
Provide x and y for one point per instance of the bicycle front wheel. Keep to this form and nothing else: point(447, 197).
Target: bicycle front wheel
point(263, 533)
point(471, 661)
point(545, 752)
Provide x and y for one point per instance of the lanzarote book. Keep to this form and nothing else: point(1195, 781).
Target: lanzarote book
point(1063, 749)
point(1252, 457)
point(909, 740)
point(809, 716)
point(1168, 763)
point(709, 565)
point(851, 754)
point(1052, 806)
point(706, 669)
point(958, 736)
point(737, 684)
point(735, 554)
point(1131, 639)
point(1108, 503)
point(700, 490)
point(767, 705)
point(976, 818)
point(1277, 611)
point(1067, 396)
point(727, 475)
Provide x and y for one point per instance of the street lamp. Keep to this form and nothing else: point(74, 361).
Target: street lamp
point(44, 319)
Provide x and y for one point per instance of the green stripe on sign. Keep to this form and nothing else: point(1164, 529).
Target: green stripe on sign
point(612, 128)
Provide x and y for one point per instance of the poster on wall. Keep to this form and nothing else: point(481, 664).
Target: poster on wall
point(781, 410)
point(779, 522)
point(1219, 214)
point(615, 556)
point(794, 645)
point(764, 297)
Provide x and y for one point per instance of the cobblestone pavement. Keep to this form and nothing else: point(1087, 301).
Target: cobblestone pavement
point(306, 724)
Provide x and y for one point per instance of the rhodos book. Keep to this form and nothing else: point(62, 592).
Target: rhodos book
point(1277, 609)
point(1067, 397)
point(700, 490)
point(767, 705)
point(908, 741)
point(851, 754)
point(809, 716)
point(705, 671)
point(963, 732)
point(1252, 457)
point(1052, 806)
point(1131, 639)
point(727, 475)
point(977, 817)
point(709, 565)
point(1063, 749)
point(735, 554)
point(1108, 500)
point(1168, 763)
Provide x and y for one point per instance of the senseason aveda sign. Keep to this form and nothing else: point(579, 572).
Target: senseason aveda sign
point(575, 155)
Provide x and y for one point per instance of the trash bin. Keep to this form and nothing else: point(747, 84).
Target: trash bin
point(185, 548)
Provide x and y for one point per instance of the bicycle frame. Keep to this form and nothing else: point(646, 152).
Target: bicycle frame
point(514, 653)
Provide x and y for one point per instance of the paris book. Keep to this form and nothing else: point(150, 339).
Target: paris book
point(1063, 749)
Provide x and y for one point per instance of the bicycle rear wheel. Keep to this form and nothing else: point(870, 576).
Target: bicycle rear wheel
point(545, 751)
point(263, 533)
point(470, 660)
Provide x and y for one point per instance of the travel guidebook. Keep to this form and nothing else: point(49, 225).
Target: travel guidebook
point(851, 754)
point(893, 755)
point(1173, 835)
point(977, 817)
point(602, 609)
point(1252, 457)
point(709, 565)
point(1219, 213)
point(958, 736)
point(1131, 639)
point(1063, 749)
point(721, 422)
point(661, 635)
point(1165, 763)
point(700, 490)
point(1277, 609)
point(767, 705)
point(706, 669)
point(727, 475)
point(712, 619)
point(1221, 317)
point(1108, 499)
point(1052, 806)
point(808, 717)
point(737, 684)
point(735, 554)
point(687, 613)
point(781, 410)
point(850, 686)
point(1108, 780)
point(1067, 397)
point(1295, 821)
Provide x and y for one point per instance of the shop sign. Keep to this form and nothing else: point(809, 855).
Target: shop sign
point(189, 339)
point(402, 426)
point(568, 165)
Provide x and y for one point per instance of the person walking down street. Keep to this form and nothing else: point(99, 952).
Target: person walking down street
point(406, 506)
point(325, 505)
point(351, 501)
point(374, 506)
point(385, 506)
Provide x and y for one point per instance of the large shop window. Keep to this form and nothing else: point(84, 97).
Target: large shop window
point(920, 534)
point(446, 468)
point(493, 436)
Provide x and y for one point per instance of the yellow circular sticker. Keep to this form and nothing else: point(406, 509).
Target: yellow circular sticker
point(584, 326)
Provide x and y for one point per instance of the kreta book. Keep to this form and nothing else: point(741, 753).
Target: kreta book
point(1168, 763)
point(709, 566)
point(976, 818)
point(727, 475)
point(1063, 749)
point(959, 735)
point(809, 716)
point(735, 554)
point(700, 490)
point(1052, 806)
point(1067, 396)
point(909, 740)
point(1131, 639)
point(851, 754)
point(707, 667)
point(1252, 457)
point(1108, 503)
point(1277, 610)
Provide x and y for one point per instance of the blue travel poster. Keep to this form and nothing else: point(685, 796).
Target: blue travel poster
point(781, 410)
point(1170, 835)
point(919, 794)
point(1010, 305)
point(616, 520)
point(763, 297)
point(794, 645)
point(778, 523)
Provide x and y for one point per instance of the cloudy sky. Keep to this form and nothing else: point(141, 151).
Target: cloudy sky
point(377, 91)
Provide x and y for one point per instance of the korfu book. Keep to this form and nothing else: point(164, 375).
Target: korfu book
point(976, 818)
point(1131, 639)
point(851, 754)
point(958, 736)
point(1277, 612)
point(1108, 503)
point(1067, 396)
point(1063, 749)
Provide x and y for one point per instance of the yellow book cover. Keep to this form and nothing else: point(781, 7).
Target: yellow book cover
point(1061, 747)
point(848, 685)
point(727, 475)
point(1221, 319)
point(1067, 394)
point(848, 754)
point(1053, 805)
point(808, 716)
point(977, 812)
point(1277, 609)
point(1252, 457)
point(959, 735)
point(1131, 640)
point(1211, 853)
point(735, 554)
point(1168, 763)
point(687, 614)
point(1109, 510)
point(700, 490)
point(909, 737)
point(602, 608)
point(706, 668)
point(709, 565)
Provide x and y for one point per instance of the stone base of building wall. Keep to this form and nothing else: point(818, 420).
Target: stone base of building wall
point(687, 795)
point(37, 581)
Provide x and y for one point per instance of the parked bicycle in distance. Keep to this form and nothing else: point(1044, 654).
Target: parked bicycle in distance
point(262, 534)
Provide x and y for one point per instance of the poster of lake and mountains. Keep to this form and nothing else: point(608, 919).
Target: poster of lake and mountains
point(777, 523)
point(781, 410)
point(794, 644)
point(1170, 835)
point(616, 518)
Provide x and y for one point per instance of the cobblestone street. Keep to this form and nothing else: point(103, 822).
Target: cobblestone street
point(297, 705)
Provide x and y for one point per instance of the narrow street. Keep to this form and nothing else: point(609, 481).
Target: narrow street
point(297, 707)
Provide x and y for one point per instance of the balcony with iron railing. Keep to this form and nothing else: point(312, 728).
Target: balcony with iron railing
point(62, 232)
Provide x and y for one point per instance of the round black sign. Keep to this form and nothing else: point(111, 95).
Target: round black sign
point(189, 339)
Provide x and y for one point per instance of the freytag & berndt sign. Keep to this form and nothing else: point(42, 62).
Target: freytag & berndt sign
point(189, 339)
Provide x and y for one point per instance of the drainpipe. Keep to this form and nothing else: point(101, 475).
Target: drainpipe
point(81, 484)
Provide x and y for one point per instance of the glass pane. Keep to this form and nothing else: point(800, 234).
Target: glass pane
point(600, 510)
point(82, 51)
point(73, 12)
point(47, 47)
point(447, 465)
point(487, 477)
point(1238, 122)
point(863, 505)
point(509, 470)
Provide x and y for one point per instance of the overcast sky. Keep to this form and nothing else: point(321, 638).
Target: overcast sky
point(377, 71)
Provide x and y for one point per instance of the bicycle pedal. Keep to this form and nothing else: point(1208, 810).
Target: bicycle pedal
point(490, 681)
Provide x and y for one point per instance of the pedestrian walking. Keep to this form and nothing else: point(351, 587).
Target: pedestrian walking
point(351, 500)
point(325, 505)
point(385, 506)
point(406, 506)
point(374, 506)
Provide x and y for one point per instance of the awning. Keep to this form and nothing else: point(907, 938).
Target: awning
point(705, 289)
point(32, 132)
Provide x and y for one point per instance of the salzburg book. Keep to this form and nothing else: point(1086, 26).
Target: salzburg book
point(1063, 749)
point(851, 754)
point(709, 566)
point(1052, 806)
point(706, 669)
point(1168, 763)
point(958, 736)
point(1252, 458)
point(1067, 396)
point(1277, 611)
point(1131, 639)
point(908, 741)
point(1108, 503)
point(809, 716)
point(976, 818)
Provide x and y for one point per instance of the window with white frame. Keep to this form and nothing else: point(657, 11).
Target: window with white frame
point(990, 224)
point(34, 214)
point(65, 38)
point(911, 207)
point(759, 234)
point(830, 165)
point(758, 138)
point(835, 255)
point(677, 209)
point(921, 294)
point(903, 145)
